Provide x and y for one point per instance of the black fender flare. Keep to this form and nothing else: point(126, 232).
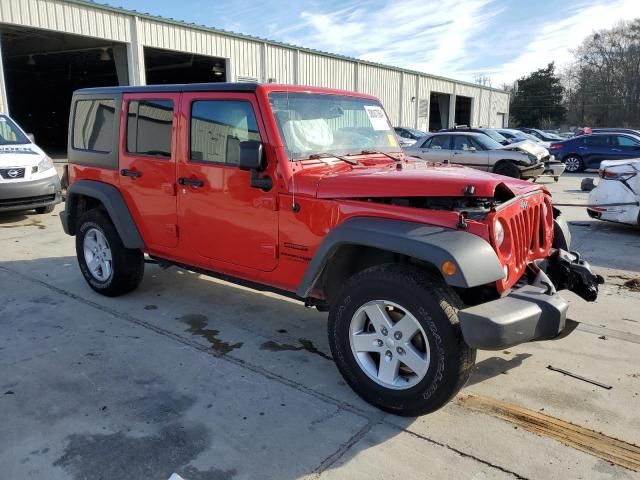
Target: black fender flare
point(111, 198)
point(561, 232)
point(476, 261)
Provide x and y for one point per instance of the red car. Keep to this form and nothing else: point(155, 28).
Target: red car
point(305, 191)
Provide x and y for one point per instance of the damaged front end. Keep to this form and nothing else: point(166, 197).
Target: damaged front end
point(568, 271)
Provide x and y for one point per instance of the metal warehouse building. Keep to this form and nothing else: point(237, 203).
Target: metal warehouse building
point(52, 47)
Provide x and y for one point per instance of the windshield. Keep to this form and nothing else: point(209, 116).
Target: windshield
point(495, 135)
point(10, 134)
point(486, 142)
point(312, 123)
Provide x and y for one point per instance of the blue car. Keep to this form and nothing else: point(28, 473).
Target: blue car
point(587, 151)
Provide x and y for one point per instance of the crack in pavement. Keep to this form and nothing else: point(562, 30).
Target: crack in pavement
point(371, 418)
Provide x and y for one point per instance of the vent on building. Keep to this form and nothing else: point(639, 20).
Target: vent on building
point(423, 108)
point(246, 79)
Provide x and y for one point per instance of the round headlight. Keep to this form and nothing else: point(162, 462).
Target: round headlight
point(498, 233)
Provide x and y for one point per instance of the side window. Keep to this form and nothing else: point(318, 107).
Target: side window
point(440, 142)
point(218, 127)
point(627, 141)
point(149, 127)
point(462, 142)
point(597, 141)
point(93, 125)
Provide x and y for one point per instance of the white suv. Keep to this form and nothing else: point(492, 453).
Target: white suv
point(28, 179)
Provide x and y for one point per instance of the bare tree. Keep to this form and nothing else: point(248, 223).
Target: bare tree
point(603, 84)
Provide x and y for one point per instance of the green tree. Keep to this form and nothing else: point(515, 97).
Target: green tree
point(538, 99)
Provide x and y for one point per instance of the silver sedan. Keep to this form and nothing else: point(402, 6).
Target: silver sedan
point(476, 150)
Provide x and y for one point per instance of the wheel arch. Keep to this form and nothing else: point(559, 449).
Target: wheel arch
point(362, 242)
point(85, 195)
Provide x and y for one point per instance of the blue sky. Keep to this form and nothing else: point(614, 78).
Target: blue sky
point(503, 39)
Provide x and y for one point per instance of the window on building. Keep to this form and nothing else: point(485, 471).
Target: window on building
point(218, 127)
point(149, 127)
point(93, 125)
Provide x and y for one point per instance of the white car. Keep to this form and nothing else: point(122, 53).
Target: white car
point(617, 196)
point(28, 179)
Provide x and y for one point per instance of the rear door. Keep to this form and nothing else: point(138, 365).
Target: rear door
point(221, 217)
point(148, 166)
point(595, 149)
point(469, 153)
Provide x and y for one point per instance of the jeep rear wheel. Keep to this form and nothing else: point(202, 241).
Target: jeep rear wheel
point(395, 337)
point(106, 264)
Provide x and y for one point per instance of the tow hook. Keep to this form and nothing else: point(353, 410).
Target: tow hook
point(567, 270)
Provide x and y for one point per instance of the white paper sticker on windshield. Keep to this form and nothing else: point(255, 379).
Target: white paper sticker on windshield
point(377, 117)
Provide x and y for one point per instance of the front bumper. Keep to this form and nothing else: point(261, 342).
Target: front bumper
point(554, 168)
point(524, 315)
point(532, 171)
point(531, 312)
point(31, 194)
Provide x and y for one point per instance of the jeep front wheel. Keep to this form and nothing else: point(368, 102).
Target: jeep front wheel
point(106, 264)
point(394, 334)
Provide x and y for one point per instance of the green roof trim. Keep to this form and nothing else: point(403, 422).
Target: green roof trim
point(205, 28)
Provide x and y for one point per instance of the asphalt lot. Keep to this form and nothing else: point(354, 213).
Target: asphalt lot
point(197, 377)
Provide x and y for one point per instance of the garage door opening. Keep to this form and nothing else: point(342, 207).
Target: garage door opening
point(463, 111)
point(165, 66)
point(438, 111)
point(43, 68)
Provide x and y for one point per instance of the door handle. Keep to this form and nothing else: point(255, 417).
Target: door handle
point(192, 182)
point(130, 173)
point(616, 150)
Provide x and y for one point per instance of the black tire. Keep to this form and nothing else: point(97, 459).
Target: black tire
point(507, 169)
point(47, 209)
point(573, 163)
point(127, 265)
point(435, 307)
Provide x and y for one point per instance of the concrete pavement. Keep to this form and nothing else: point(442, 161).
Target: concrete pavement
point(208, 380)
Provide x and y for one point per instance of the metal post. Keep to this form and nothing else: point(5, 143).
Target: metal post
point(401, 112)
point(263, 63)
point(417, 107)
point(4, 100)
point(135, 55)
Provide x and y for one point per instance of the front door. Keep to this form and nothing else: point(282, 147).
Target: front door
point(148, 167)
point(626, 147)
point(221, 217)
point(469, 153)
point(436, 149)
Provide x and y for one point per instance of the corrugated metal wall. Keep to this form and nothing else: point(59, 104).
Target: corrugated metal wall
point(256, 59)
point(66, 17)
point(325, 71)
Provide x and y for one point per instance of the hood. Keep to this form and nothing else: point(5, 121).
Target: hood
point(632, 163)
point(529, 147)
point(27, 155)
point(415, 179)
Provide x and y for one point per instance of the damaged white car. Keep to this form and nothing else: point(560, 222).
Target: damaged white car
point(28, 179)
point(617, 196)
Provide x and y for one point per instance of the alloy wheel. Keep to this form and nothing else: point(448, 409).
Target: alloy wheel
point(389, 344)
point(97, 255)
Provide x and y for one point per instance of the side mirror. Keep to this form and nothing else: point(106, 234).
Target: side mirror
point(251, 155)
point(252, 159)
point(31, 137)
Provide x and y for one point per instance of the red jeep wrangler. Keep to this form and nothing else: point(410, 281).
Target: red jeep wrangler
point(305, 191)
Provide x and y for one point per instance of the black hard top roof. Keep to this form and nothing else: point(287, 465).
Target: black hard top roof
point(180, 87)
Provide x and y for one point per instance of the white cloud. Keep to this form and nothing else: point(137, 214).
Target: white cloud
point(429, 34)
point(558, 38)
point(455, 37)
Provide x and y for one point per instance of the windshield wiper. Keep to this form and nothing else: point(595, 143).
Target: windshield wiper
point(316, 156)
point(378, 152)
